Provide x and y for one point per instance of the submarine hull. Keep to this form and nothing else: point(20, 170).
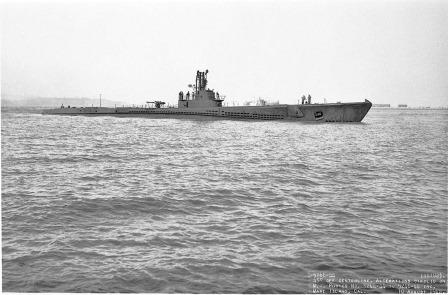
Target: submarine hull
point(329, 112)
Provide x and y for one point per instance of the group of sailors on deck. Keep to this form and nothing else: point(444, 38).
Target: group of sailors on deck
point(306, 100)
point(187, 96)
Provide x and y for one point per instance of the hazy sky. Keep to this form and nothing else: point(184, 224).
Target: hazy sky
point(387, 51)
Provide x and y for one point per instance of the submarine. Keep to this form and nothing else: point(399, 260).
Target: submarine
point(203, 101)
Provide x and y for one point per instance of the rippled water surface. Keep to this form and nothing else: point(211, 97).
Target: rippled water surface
point(120, 204)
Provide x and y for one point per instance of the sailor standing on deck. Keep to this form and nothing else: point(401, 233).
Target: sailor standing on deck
point(309, 99)
point(303, 99)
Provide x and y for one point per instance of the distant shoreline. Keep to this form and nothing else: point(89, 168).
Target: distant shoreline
point(38, 109)
point(411, 108)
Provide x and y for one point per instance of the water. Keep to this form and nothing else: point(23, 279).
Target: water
point(106, 204)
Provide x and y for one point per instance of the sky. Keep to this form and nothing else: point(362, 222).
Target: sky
point(386, 51)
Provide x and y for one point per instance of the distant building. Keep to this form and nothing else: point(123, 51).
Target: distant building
point(402, 105)
point(381, 105)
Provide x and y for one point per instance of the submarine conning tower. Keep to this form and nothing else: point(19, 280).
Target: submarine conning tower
point(200, 96)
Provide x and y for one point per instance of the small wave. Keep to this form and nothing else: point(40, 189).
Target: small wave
point(324, 267)
point(267, 290)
